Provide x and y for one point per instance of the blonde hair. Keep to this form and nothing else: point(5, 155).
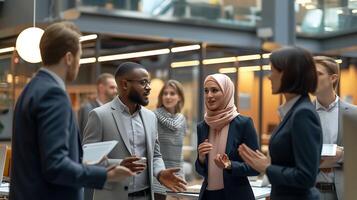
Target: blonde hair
point(179, 89)
point(331, 66)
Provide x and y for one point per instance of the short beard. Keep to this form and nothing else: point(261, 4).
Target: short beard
point(109, 96)
point(135, 98)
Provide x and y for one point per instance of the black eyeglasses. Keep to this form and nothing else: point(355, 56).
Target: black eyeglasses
point(143, 82)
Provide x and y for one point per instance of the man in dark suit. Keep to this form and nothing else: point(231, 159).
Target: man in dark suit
point(46, 152)
point(330, 109)
point(106, 91)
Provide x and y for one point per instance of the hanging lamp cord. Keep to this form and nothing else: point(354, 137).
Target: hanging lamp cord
point(34, 13)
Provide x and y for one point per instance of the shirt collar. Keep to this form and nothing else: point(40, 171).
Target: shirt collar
point(331, 106)
point(125, 108)
point(58, 79)
point(99, 102)
point(285, 108)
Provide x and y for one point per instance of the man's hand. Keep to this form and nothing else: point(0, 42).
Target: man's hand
point(130, 162)
point(222, 161)
point(169, 179)
point(203, 149)
point(118, 173)
point(331, 161)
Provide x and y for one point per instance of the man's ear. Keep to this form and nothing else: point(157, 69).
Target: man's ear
point(124, 84)
point(68, 58)
point(334, 78)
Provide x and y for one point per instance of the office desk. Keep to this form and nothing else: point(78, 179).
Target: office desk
point(259, 193)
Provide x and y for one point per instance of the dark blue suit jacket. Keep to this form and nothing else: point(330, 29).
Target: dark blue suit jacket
point(295, 149)
point(236, 185)
point(46, 151)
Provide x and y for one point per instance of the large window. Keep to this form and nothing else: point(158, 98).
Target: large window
point(6, 96)
point(325, 16)
point(244, 13)
point(348, 82)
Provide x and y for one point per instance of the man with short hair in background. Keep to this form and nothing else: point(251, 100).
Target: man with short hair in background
point(106, 91)
point(330, 108)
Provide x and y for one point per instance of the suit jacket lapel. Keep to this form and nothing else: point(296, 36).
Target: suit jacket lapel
point(342, 108)
point(116, 112)
point(229, 136)
point(148, 136)
point(146, 130)
point(205, 131)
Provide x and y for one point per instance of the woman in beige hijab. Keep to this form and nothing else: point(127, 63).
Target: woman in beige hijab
point(219, 136)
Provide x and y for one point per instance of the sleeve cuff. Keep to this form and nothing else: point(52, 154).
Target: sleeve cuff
point(98, 176)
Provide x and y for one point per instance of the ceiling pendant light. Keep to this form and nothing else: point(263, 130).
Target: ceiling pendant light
point(28, 42)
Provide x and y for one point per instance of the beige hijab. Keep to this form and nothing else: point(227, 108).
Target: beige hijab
point(218, 121)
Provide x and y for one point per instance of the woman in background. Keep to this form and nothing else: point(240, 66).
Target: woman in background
point(171, 129)
point(218, 137)
point(295, 146)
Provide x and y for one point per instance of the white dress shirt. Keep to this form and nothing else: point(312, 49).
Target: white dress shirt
point(329, 124)
point(136, 133)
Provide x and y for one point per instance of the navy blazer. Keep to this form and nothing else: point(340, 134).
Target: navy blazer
point(46, 151)
point(236, 184)
point(295, 150)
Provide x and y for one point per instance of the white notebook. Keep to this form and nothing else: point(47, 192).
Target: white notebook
point(93, 153)
point(329, 150)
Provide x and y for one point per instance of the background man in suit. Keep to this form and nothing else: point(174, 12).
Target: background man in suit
point(135, 128)
point(330, 109)
point(46, 152)
point(106, 91)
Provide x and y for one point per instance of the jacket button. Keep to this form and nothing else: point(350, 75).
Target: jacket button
point(125, 188)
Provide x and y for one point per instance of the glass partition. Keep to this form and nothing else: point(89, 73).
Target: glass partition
point(348, 82)
point(244, 13)
point(6, 96)
point(314, 17)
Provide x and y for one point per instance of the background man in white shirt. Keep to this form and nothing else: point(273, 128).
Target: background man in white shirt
point(330, 108)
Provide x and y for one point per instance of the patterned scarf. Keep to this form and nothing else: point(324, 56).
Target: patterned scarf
point(172, 122)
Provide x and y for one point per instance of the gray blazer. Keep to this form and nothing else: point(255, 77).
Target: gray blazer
point(344, 108)
point(104, 123)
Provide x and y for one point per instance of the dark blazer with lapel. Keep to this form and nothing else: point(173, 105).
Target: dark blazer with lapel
point(295, 150)
point(46, 151)
point(236, 185)
point(83, 114)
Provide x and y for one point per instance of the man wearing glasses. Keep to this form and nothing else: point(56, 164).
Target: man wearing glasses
point(135, 128)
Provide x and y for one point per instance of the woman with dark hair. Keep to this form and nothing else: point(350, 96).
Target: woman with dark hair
point(171, 129)
point(295, 146)
point(218, 137)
